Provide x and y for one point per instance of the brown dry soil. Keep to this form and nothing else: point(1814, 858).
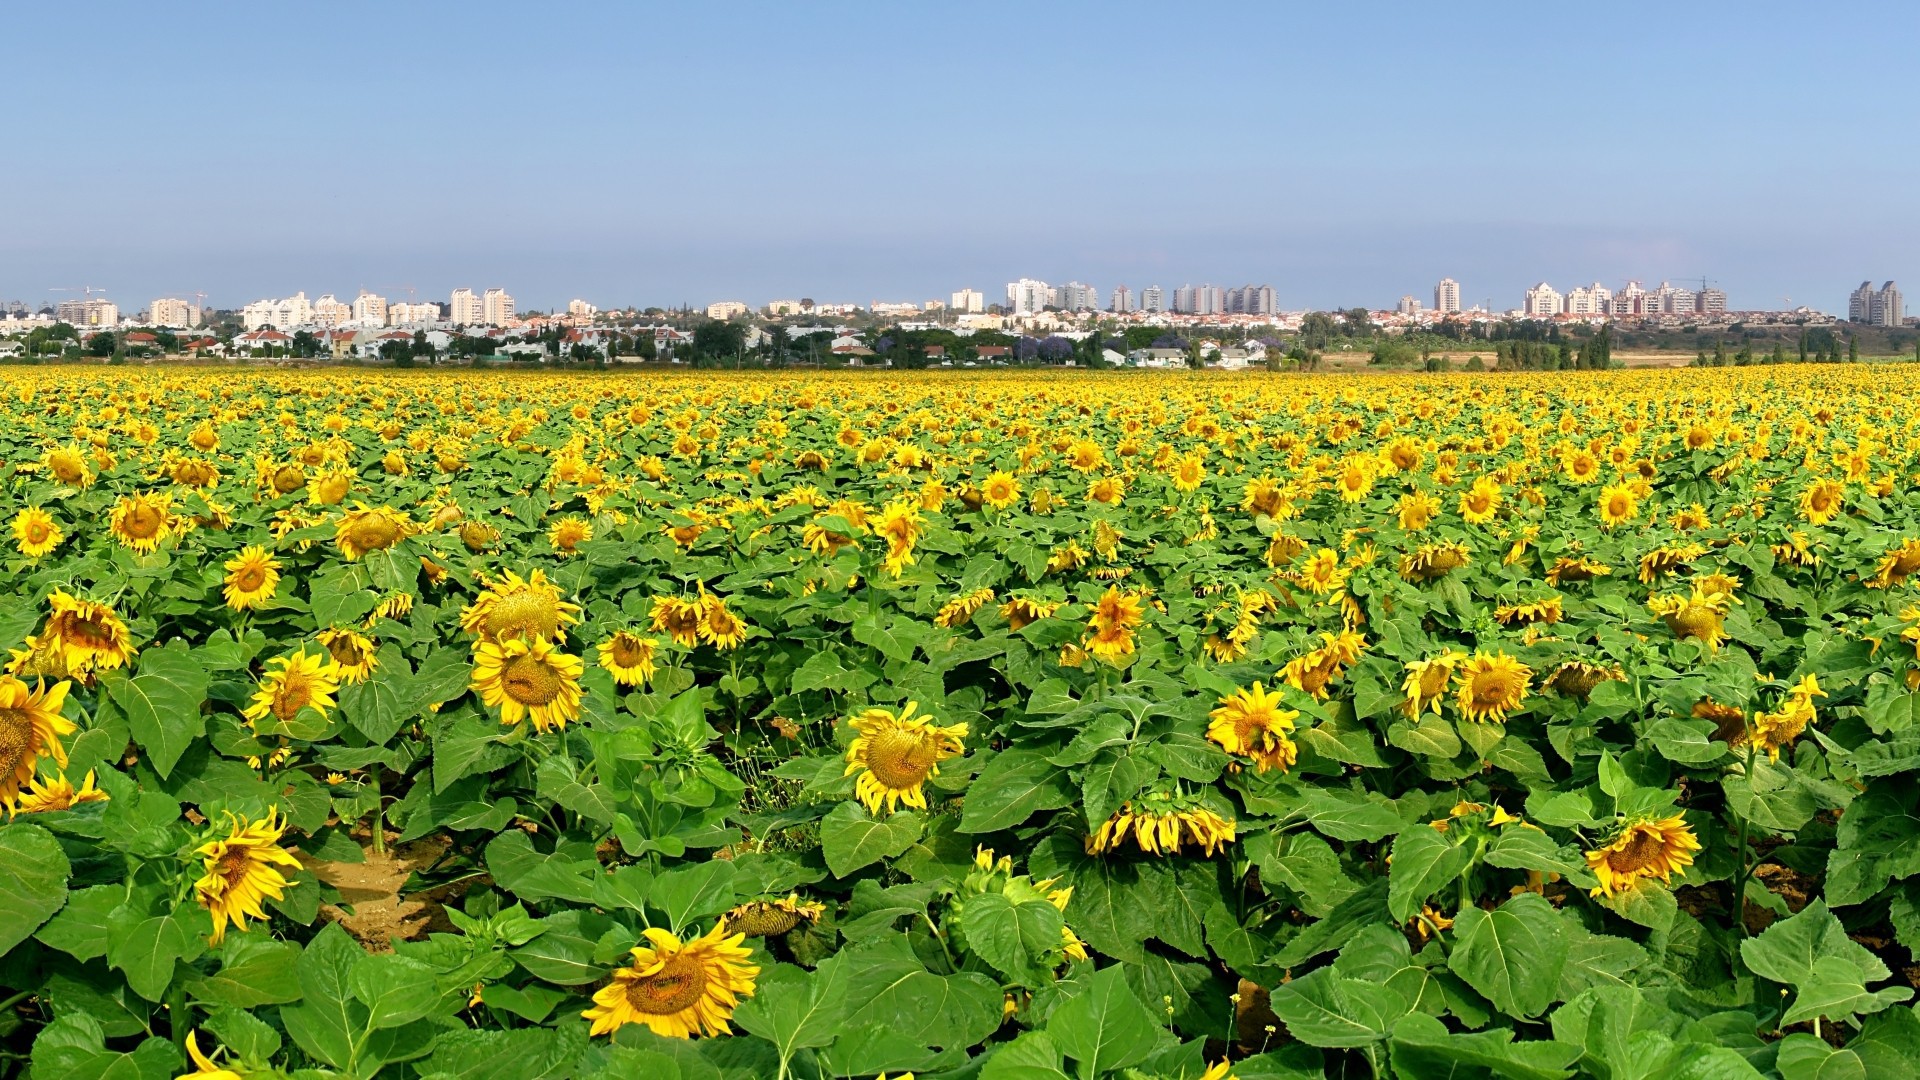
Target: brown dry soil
point(373, 907)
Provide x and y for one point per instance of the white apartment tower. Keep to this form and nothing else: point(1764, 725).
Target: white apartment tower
point(1594, 299)
point(496, 307)
point(369, 310)
point(282, 315)
point(1876, 307)
point(1122, 300)
point(175, 313)
point(464, 309)
point(968, 302)
point(580, 309)
point(1408, 305)
point(1252, 300)
point(1153, 299)
point(413, 314)
point(1543, 301)
point(329, 312)
point(1446, 296)
point(1027, 296)
point(1074, 296)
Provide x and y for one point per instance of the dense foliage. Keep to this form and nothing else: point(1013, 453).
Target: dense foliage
point(472, 726)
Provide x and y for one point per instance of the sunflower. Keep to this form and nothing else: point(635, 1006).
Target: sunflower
point(569, 533)
point(1107, 490)
point(1643, 849)
point(1427, 682)
point(1313, 671)
point(677, 618)
point(1895, 566)
point(1665, 560)
point(628, 657)
point(825, 542)
point(1480, 503)
point(1566, 569)
point(1355, 479)
point(365, 529)
point(678, 989)
point(1252, 723)
point(300, 681)
point(1529, 613)
point(1321, 573)
point(1430, 562)
point(1821, 500)
point(1772, 731)
point(719, 626)
point(1618, 505)
point(351, 654)
point(900, 527)
point(1417, 510)
point(1581, 466)
point(1729, 722)
point(1700, 615)
point(1113, 621)
point(204, 1067)
point(517, 607)
point(35, 532)
point(960, 610)
point(771, 918)
point(142, 522)
point(477, 536)
point(252, 577)
point(58, 793)
point(1188, 473)
point(1491, 686)
point(894, 755)
point(88, 636)
point(240, 872)
point(30, 726)
point(1577, 678)
point(1161, 829)
point(1000, 490)
point(528, 679)
point(1022, 611)
point(68, 464)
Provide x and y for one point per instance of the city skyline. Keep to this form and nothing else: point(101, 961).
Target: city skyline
point(847, 191)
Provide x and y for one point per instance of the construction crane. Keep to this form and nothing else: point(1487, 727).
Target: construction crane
point(88, 290)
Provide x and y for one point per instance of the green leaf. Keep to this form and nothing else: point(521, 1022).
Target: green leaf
point(73, 1048)
point(530, 875)
point(1032, 1056)
point(81, 927)
point(1422, 1047)
point(1105, 1028)
point(387, 700)
point(1828, 971)
point(145, 947)
point(1803, 1057)
point(244, 1034)
point(1874, 844)
point(1015, 785)
point(824, 671)
point(33, 881)
point(794, 1009)
point(395, 989)
point(1328, 1010)
point(851, 840)
point(1012, 937)
point(1512, 955)
point(254, 970)
point(520, 1054)
point(162, 702)
point(693, 892)
point(327, 1023)
point(563, 954)
point(1350, 815)
point(1424, 860)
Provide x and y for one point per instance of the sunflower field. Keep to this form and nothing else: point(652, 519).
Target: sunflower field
point(497, 726)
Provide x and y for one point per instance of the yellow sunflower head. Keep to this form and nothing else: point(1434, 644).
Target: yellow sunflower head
point(35, 532)
point(142, 522)
point(291, 684)
point(351, 655)
point(241, 872)
point(31, 727)
point(1643, 849)
point(528, 679)
point(517, 607)
point(365, 529)
point(773, 917)
point(1491, 686)
point(1253, 723)
point(629, 657)
point(252, 577)
point(678, 989)
point(893, 755)
point(88, 635)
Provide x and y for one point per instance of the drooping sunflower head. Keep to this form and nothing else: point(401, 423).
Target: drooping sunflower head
point(1575, 569)
point(351, 655)
point(960, 610)
point(31, 727)
point(1023, 611)
point(1491, 686)
point(1577, 678)
point(1643, 849)
point(528, 679)
point(629, 657)
point(1253, 723)
point(252, 577)
point(1112, 624)
point(1529, 613)
point(893, 755)
point(678, 989)
point(1821, 501)
point(516, 607)
point(291, 684)
point(1159, 824)
point(364, 529)
point(89, 635)
point(773, 917)
point(1430, 562)
point(719, 625)
point(1895, 567)
point(241, 872)
point(1700, 615)
point(1427, 682)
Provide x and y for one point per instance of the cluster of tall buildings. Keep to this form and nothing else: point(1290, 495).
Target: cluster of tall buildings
point(1543, 301)
point(1876, 307)
point(368, 310)
point(1029, 296)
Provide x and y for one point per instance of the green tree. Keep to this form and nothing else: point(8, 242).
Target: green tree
point(1853, 347)
point(102, 344)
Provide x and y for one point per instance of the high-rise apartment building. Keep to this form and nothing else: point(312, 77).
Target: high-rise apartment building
point(176, 313)
point(1074, 296)
point(88, 312)
point(1711, 302)
point(1028, 296)
point(1153, 299)
point(369, 310)
point(968, 302)
point(1594, 299)
point(283, 315)
point(1629, 301)
point(465, 309)
point(1408, 306)
point(1876, 307)
point(1122, 301)
point(1446, 296)
point(413, 314)
point(580, 309)
point(497, 308)
point(1251, 300)
point(1543, 301)
point(1199, 299)
point(329, 312)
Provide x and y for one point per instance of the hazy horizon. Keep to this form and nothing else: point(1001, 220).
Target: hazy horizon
point(851, 153)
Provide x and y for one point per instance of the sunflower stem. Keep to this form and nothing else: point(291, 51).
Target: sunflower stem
point(177, 1016)
point(379, 810)
point(1745, 871)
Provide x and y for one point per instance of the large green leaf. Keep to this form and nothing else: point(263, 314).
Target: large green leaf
point(33, 881)
point(1329, 1010)
point(73, 1048)
point(1012, 937)
point(851, 839)
point(1513, 954)
point(1424, 860)
point(162, 702)
point(1104, 1028)
point(1015, 785)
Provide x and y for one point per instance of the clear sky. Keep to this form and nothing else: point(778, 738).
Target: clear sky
point(659, 154)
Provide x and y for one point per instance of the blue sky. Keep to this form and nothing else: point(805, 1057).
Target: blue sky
point(660, 154)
